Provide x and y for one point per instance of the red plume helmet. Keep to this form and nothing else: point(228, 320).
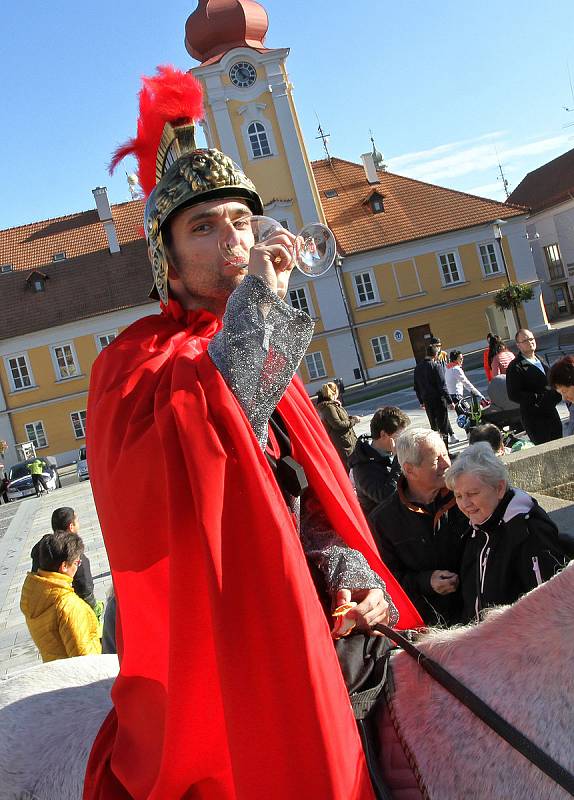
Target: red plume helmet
point(170, 96)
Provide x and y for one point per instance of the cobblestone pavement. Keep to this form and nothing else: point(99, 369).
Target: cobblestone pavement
point(30, 520)
point(7, 511)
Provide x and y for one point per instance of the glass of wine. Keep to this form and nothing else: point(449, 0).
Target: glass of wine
point(313, 252)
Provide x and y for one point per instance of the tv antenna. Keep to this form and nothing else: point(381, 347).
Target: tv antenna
point(324, 138)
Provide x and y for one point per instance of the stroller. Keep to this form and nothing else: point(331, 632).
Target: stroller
point(501, 412)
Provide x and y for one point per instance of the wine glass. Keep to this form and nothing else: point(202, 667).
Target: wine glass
point(313, 252)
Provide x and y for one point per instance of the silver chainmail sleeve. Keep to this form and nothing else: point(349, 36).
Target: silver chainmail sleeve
point(259, 349)
point(341, 566)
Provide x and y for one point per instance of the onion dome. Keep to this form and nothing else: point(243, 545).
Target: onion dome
point(218, 26)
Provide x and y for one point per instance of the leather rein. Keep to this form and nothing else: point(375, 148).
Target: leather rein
point(479, 708)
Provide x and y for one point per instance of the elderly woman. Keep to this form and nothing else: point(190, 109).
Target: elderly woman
point(338, 423)
point(514, 545)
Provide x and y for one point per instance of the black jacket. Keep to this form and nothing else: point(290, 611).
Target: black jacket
point(429, 382)
point(83, 583)
point(375, 474)
point(514, 551)
point(415, 540)
point(527, 385)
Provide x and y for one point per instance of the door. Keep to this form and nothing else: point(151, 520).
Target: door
point(420, 337)
point(497, 323)
point(561, 300)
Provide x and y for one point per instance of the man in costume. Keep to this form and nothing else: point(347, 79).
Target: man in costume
point(229, 685)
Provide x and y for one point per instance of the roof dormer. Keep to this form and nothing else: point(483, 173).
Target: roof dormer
point(36, 281)
point(376, 201)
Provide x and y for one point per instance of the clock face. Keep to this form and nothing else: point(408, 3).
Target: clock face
point(243, 74)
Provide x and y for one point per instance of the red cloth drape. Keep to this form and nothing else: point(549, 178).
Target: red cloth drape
point(229, 686)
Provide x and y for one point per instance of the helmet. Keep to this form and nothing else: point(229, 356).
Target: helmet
point(172, 171)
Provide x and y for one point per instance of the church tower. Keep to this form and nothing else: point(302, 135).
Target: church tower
point(249, 107)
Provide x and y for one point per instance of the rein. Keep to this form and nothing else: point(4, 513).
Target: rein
point(480, 709)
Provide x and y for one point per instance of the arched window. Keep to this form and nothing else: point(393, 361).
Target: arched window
point(258, 140)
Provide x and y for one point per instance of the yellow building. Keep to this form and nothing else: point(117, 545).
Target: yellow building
point(68, 287)
point(414, 259)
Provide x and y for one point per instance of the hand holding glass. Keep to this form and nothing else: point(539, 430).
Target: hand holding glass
point(313, 252)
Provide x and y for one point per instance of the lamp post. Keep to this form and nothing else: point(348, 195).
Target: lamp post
point(497, 232)
point(338, 269)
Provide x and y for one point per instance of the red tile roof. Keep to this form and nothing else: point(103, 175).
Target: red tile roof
point(550, 184)
point(413, 209)
point(90, 281)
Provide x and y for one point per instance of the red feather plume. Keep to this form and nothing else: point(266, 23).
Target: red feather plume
point(168, 96)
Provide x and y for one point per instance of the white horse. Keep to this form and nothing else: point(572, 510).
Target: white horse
point(519, 660)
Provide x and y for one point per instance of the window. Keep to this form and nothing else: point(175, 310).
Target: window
point(36, 434)
point(19, 372)
point(6, 268)
point(258, 140)
point(65, 361)
point(554, 261)
point(364, 288)
point(61, 256)
point(298, 299)
point(39, 285)
point(104, 339)
point(315, 366)
point(381, 349)
point(488, 258)
point(331, 193)
point(79, 424)
point(450, 270)
point(376, 203)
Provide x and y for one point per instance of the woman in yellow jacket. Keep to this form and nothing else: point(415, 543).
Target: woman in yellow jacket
point(61, 624)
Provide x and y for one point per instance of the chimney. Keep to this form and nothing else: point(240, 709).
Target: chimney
point(105, 214)
point(369, 165)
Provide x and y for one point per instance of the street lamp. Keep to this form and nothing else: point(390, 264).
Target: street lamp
point(338, 270)
point(497, 232)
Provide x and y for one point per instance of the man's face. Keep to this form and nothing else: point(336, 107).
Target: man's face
point(199, 274)
point(74, 526)
point(526, 343)
point(429, 474)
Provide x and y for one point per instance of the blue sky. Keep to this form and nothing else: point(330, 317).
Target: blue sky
point(446, 87)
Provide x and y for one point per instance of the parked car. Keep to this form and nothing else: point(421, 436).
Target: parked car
point(82, 465)
point(20, 481)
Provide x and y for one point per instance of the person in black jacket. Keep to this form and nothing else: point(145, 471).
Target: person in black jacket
point(375, 466)
point(514, 545)
point(527, 385)
point(419, 530)
point(431, 391)
point(66, 519)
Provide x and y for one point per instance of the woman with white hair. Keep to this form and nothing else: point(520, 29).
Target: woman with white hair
point(514, 545)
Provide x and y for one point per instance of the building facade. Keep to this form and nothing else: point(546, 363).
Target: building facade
point(548, 193)
point(69, 286)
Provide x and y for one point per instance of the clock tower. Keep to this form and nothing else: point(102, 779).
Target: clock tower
point(249, 109)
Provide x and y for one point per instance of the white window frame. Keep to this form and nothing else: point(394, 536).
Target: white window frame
point(376, 342)
point(98, 336)
point(37, 424)
point(81, 419)
point(309, 310)
point(483, 266)
point(446, 283)
point(8, 369)
point(374, 288)
point(546, 251)
point(262, 137)
point(315, 365)
point(57, 370)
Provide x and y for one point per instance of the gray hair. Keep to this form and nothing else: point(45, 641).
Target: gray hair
point(409, 445)
point(478, 460)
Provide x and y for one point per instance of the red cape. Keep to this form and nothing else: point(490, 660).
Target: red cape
point(229, 685)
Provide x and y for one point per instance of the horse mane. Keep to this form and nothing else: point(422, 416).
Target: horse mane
point(527, 619)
